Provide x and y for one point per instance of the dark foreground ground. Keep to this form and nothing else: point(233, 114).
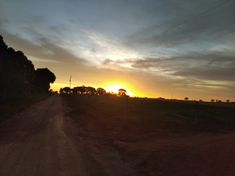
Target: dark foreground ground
point(97, 136)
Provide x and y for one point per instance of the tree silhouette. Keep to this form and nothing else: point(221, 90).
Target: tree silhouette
point(122, 92)
point(43, 78)
point(18, 78)
point(90, 91)
point(65, 90)
point(101, 91)
point(16, 73)
point(79, 90)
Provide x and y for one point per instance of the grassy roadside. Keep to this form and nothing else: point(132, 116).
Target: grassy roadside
point(9, 109)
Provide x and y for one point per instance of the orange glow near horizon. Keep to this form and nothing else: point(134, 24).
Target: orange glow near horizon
point(115, 87)
point(56, 86)
point(109, 86)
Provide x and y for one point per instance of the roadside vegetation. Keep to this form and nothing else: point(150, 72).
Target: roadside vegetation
point(20, 83)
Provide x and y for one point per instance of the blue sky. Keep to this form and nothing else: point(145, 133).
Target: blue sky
point(161, 47)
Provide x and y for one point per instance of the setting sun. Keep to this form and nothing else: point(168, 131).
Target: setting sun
point(115, 87)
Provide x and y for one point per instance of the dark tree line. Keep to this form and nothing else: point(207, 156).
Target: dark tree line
point(83, 90)
point(18, 77)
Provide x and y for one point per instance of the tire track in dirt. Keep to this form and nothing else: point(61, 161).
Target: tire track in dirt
point(33, 143)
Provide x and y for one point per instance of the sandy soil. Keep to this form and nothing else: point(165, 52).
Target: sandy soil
point(43, 141)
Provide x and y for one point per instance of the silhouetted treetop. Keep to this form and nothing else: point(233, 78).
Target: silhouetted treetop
point(18, 76)
point(2, 44)
point(88, 90)
point(91, 91)
point(101, 91)
point(79, 90)
point(43, 78)
point(122, 92)
point(65, 90)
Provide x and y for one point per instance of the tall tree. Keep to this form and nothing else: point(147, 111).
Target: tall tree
point(43, 78)
point(16, 73)
point(18, 78)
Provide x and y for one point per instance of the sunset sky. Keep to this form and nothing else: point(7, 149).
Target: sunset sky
point(153, 48)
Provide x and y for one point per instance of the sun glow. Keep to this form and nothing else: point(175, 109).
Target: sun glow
point(116, 86)
point(113, 88)
point(109, 86)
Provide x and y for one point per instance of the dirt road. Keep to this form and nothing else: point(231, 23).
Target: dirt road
point(43, 141)
point(33, 143)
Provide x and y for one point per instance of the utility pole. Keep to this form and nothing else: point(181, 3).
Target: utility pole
point(70, 80)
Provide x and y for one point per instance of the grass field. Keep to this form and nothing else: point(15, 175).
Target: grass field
point(119, 136)
point(152, 114)
point(155, 137)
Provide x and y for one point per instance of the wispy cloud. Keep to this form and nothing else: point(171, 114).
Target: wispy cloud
point(45, 49)
point(214, 66)
point(96, 47)
point(191, 27)
point(184, 45)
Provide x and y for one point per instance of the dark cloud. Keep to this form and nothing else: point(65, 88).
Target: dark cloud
point(199, 24)
point(45, 49)
point(205, 73)
point(213, 66)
